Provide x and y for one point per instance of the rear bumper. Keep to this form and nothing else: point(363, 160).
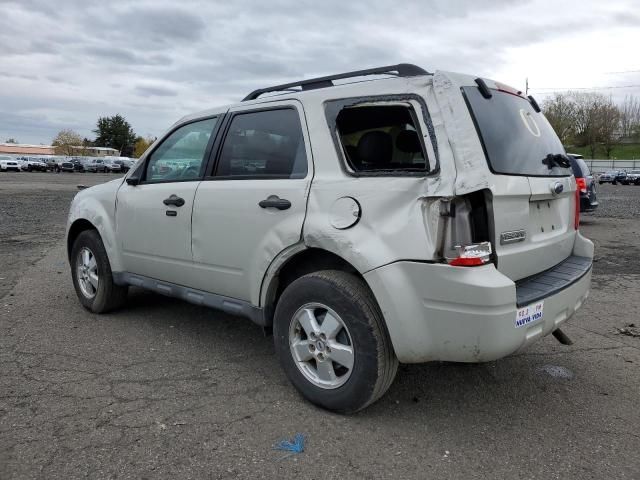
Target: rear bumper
point(462, 314)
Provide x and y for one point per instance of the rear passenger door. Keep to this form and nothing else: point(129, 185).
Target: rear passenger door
point(252, 202)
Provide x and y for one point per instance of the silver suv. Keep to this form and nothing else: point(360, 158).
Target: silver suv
point(368, 218)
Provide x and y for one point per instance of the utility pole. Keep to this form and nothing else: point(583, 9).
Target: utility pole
point(526, 86)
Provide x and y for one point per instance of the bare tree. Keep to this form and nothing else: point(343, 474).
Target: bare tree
point(630, 117)
point(608, 123)
point(587, 121)
point(560, 110)
point(67, 142)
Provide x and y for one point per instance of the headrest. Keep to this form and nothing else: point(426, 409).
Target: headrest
point(375, 147)
point(408, 141)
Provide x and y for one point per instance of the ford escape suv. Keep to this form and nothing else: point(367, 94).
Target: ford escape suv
point(368, 218)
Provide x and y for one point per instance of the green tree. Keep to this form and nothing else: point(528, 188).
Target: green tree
point(67, 142)
point(115, 132)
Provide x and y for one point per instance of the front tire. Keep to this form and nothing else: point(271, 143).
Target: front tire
point(332, 343)
point(92, 276)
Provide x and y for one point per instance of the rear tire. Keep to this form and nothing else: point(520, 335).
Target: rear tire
point(344, 361)
point(92, 276)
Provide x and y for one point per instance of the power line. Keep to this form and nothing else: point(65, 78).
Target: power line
point(622, 71)
point(562, 89)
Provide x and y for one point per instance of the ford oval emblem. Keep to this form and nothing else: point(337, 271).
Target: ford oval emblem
point(557, 188)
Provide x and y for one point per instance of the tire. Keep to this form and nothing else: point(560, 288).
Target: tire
point(600, 183)
point(345, 296)
point(614, 183)
point(107, 296)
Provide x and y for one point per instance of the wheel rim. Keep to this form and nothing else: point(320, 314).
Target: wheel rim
point(321, 346)
point(87, 272)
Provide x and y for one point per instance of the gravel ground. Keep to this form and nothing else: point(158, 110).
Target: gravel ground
point(163, 389)
point(33, 214)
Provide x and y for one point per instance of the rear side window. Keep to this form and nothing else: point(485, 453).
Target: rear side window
point(515, 137)
point(381, 138)
point(264, 144)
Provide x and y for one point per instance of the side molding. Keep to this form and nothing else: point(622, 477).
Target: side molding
point(191, 295)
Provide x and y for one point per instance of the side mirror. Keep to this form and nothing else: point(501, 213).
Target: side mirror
point(133, 180)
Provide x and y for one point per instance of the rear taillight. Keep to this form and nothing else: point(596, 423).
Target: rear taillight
point(582, 184)
point(472, 255)
point(576, 221)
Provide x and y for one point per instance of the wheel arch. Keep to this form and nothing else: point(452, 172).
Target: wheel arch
point(77, 227)
point(289, 266)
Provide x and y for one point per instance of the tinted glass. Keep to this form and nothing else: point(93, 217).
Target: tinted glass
point(265, 144)
point(584, 169)
point(381, 138)
point(515, 136)
point(181, 155)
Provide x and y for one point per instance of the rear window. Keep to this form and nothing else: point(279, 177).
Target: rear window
point(515, 137)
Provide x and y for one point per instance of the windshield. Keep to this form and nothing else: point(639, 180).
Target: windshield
point(515, 137)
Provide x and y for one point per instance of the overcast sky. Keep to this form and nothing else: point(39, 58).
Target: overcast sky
point(63, 63)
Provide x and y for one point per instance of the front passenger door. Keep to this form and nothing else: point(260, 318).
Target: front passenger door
point(153, 218)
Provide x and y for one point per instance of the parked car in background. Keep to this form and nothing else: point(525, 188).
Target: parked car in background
point(633, 176)
point(96, 165)
point(112, 165)
point(607, 177)
point(585, 183)
point(78, 166)
point(8, 164)
point(125, 163)
point(621, 177)
point(67, 166)
point(31, 164)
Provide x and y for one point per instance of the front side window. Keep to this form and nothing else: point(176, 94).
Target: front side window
point(264, 144)
point(180, 157)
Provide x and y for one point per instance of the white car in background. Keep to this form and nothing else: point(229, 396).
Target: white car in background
point(8, 164)
point(30, 164)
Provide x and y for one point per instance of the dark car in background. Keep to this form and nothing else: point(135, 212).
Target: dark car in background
point(585, 182)
point(621, 177)
point(124, 166)
point(78, 166)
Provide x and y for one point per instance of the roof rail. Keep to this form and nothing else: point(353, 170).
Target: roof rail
point(400, 70)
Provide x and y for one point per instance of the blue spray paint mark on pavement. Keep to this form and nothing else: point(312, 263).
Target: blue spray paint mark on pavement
point(295, 446)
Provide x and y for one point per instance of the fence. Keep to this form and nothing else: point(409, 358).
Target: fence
point(599, 166)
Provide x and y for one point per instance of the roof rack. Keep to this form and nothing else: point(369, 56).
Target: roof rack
point(400, 70)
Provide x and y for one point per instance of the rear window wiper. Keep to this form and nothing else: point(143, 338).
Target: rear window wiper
point(556, 159)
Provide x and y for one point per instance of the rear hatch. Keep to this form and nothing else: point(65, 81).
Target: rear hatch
point(533, 193)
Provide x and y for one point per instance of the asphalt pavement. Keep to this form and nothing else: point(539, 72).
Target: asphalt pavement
point(164, 389)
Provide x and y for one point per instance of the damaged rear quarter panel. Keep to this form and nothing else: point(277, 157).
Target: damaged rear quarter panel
point(399, 214)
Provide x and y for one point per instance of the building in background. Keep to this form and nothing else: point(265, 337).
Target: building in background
point(26, 149)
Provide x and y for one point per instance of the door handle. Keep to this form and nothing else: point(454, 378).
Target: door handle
point(174, 200)
point(273, 201)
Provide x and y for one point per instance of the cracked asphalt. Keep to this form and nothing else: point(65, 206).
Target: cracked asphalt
point(164, 389)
